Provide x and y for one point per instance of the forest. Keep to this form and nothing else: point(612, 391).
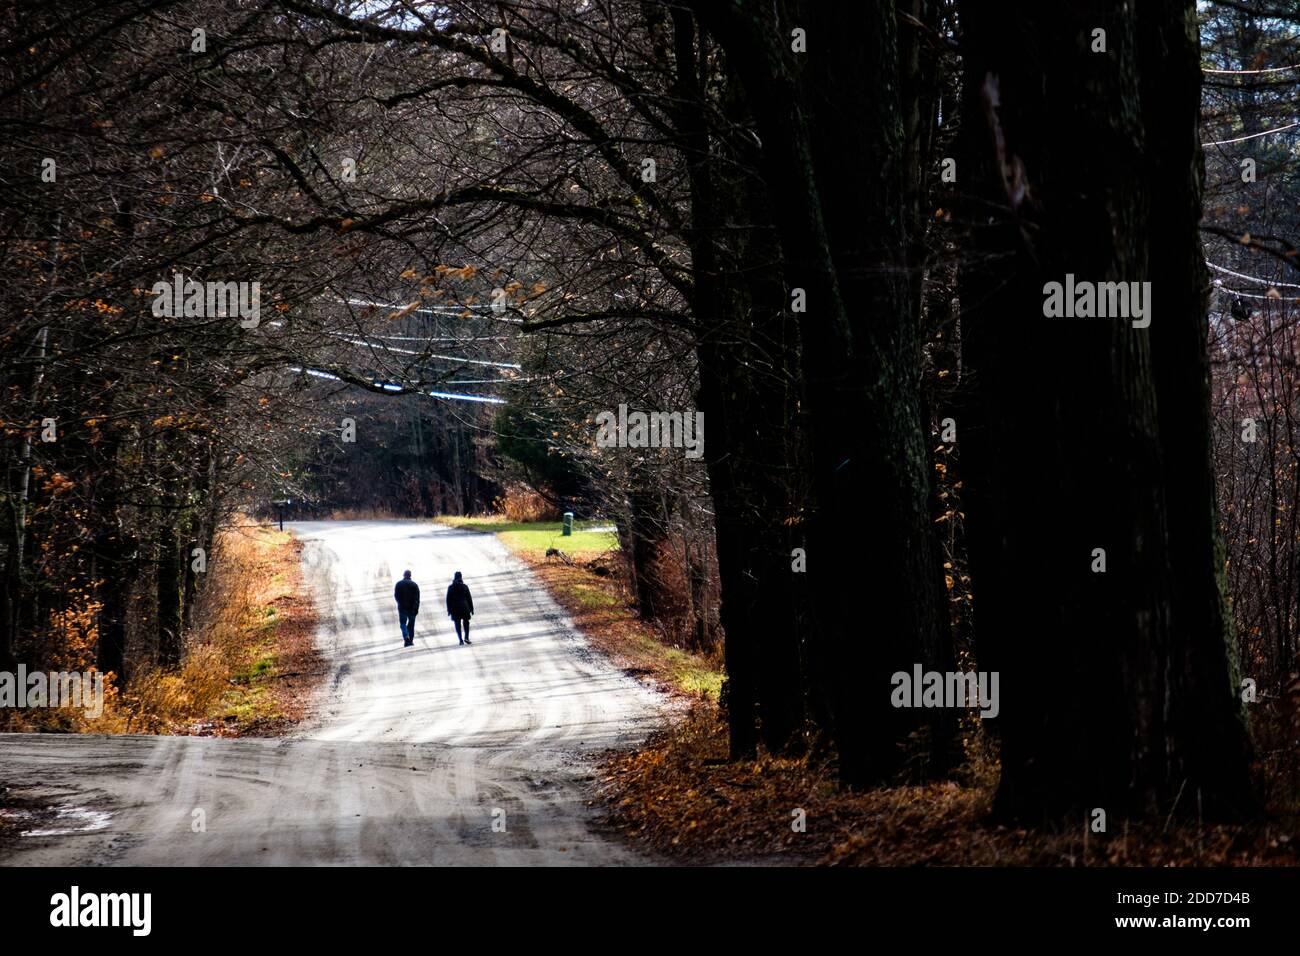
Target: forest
point(987, 314)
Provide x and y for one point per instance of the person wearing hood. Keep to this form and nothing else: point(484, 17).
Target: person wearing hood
point(460, 607)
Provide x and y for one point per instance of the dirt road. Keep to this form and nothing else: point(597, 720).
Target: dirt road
point(432, 754)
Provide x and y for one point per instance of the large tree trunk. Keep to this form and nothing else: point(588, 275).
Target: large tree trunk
point(1207, 720)
point(1065, 448)
point(872, 556)
point(746, 346)
point(749, 477)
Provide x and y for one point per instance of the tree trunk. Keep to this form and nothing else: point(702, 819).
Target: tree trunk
point(1064, 452)
point(747, 355)
point(113, 559)
point(196, 510)
point(647, 529)
point(170, 582)
point(1207, 725)
point(873, 561)
point(8, 614)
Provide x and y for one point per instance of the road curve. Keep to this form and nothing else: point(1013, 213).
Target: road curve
point(433, 754)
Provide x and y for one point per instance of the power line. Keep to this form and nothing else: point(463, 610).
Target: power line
point(428, 355)
point(443, 310)
point(1253, 295)
point(1271, 69)
point(1240, 275)
point(454, 396)
point(1242, 139)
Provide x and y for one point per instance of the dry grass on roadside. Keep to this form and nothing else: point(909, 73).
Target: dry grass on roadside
point(363, 514)
point(225, 628)
point(251, 658)
point(522, 504)
point(601, 608)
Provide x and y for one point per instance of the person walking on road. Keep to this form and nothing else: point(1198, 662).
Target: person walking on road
point(460, 607)
point(407, 594)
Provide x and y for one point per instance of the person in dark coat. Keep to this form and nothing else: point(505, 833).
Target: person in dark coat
point(460, 607)
point(407, 593)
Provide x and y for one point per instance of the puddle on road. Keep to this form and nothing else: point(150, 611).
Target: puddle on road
point(64, 821)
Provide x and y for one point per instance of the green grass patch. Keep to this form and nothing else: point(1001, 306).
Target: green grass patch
point(251, 706)
point(247, 702)
point(262, 667)
point(690, 672)
point(537, 536)
point(591, 597)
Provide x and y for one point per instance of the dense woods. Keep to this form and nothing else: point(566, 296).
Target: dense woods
point(472, 228)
